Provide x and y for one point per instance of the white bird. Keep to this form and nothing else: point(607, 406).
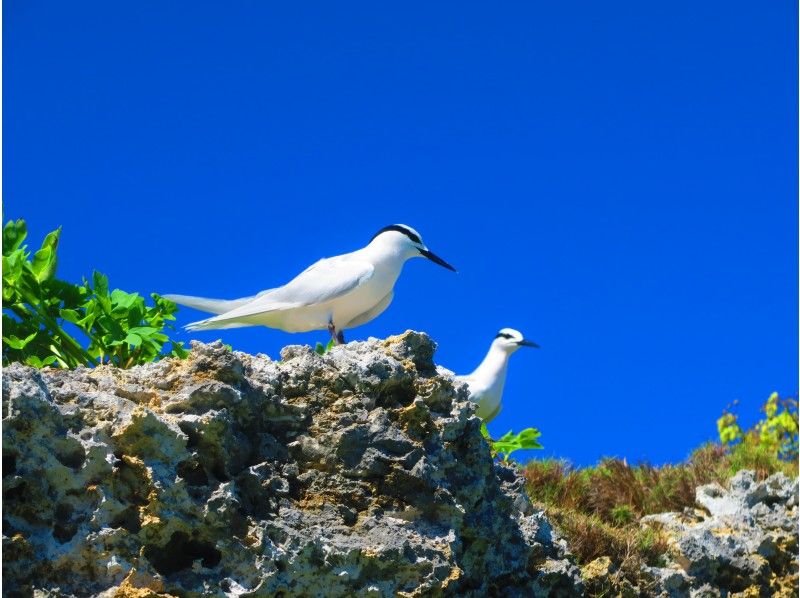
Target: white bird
point(336, 293)
point(487, 381)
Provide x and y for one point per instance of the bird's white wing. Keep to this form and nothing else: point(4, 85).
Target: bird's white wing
point(321, 282)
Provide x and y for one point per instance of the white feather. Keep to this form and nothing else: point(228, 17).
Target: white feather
point(212, 306)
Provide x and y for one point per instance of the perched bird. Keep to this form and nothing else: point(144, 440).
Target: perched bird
point(487, 381)
point(336, 293)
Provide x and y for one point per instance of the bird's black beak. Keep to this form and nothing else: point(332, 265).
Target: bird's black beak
point(436, 259)
point(527, 343)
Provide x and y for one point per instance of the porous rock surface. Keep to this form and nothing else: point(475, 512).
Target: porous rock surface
point(358, 473)
point(742, 541)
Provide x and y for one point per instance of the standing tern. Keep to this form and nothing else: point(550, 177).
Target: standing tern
point(336, 293)
point(487, 381)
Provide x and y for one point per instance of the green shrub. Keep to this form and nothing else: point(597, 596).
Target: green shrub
point(510, 442)
point(42, 315)
point(774, 436)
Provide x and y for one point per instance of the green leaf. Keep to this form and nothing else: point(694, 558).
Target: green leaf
point(70, 315)
point(14, 233)
point(18, 343)
point(122, 300)
point(100, 283)
point(510, 442)
point(34, 361)
point(322, 349)
point(507, 437)
point(143, 330)
point(41, 263)
point(13, 265)
point(179, 351)
point(51, 239)
point(527, 438)
point(133, 339)
point(44, 260)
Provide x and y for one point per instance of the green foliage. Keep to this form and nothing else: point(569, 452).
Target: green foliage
point(39, 311)
point(776, 434)
point(321, 349)
point(509, 442)
point(728, 428)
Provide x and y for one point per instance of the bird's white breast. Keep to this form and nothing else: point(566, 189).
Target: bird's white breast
point(487, 395)
point(364, 298)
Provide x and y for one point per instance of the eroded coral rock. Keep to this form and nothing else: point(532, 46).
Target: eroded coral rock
point(357, 473)
point(743, 542)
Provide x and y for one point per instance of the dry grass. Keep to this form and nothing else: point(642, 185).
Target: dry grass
point(598, 508)
point(618, 493)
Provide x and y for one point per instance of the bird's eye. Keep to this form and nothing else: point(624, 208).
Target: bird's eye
point(503, 335)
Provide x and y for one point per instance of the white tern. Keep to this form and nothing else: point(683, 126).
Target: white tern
point(487, 381)
point(335, 293)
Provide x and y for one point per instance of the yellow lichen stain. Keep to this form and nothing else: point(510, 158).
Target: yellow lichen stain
point(134, 462)
point(784, 587)
point(751, 592)
point(408, 365)
point(395, 338)
point(761, 560)
point(597, 569)
point(124, 591)
point(140, 585)
point(410, 408)
point(317, 500)
point(455, 575)
point(148, 519)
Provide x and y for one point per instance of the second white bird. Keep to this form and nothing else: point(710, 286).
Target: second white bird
point(487, 381)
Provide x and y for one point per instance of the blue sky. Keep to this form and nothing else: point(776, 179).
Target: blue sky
point(617, 180)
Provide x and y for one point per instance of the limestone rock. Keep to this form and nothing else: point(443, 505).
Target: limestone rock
point(357, 473)
point(743, 541)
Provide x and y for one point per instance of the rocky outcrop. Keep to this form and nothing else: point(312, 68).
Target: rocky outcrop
point(358, 473)
point(741, 540)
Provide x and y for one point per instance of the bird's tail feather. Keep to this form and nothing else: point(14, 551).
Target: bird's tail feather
point(214, 324)
point(213, 306)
